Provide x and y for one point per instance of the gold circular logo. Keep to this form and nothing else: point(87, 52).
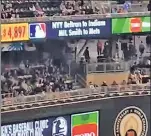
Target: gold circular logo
point(131, 121)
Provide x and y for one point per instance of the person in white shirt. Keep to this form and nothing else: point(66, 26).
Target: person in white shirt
point(148, 62)
point(91, 86)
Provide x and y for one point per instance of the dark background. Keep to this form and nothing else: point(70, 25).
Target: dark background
point(109, 109)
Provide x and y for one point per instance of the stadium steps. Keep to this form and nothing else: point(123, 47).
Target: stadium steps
point(92, 44)
point(81, 46)
point(80, 80)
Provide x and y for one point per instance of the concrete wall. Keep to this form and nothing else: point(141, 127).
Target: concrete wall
point(109, 108)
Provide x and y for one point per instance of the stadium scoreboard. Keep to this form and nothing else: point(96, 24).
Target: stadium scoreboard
point(83, 28)
point(79, 28)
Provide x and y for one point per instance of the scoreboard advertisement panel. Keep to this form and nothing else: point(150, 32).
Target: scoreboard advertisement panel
point(131, 25)
point(85, 124)
point(79, 28)
point(14, 32)
point(89, 28)
point(92, 28)
point(55, 126)
point(37, 30)
point(75, 125)
point(130, 117)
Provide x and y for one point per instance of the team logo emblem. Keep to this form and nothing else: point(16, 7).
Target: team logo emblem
point(59, 127)
point(131, 121)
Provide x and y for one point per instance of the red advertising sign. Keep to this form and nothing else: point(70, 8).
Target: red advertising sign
point(135, 25)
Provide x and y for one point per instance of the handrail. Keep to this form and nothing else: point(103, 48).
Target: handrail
point(81, 80)
point(106, 67)
point(57, 96)
point(75, 17)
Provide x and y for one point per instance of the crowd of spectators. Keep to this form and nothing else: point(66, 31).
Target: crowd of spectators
point(29, 79)
point(50, 76)
point(32, 8)
point(136, 77)
point(139, 74)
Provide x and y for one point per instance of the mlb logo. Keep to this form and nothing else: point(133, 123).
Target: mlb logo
point(37, 30)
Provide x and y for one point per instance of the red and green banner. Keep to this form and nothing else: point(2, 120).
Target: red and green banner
point(85, 124)
point(131, 25)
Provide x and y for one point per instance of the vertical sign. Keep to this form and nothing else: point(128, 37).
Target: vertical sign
point(85, 124)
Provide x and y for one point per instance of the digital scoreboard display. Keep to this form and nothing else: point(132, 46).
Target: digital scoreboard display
point(14, 32)
point(59, 126)
point(79, 28)
point(131, 25)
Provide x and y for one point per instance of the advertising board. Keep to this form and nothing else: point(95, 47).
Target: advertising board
point(14, 32)
point(85, 124)
point(131, 121)
point(55, 126)
point(131, 25)
point(37, 30)
point(79, 28)
point(124, 116)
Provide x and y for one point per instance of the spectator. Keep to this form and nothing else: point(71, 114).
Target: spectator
point(87, 55)
point(149, 6)
point(104, 83)
point(141, 48)
point(91, 86)
point(148, 41)
point(114, 83)
point(99, 47)
point(138, 78)
point(123, 82)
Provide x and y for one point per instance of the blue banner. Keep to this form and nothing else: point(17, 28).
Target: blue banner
point(79, 28)
point(55, 126)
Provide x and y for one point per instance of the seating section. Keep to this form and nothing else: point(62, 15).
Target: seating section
point(30, 79)
point(29, 8)
point(33, 8)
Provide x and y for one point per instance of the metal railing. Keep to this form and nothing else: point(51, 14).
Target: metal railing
point(81, 80)
point(75, 94)
point(75, 17)
point(108, 67)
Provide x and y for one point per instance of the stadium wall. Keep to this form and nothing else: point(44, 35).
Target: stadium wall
point(109, 109)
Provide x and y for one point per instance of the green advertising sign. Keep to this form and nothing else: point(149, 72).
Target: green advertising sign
point(131, 25)
point(85, 124)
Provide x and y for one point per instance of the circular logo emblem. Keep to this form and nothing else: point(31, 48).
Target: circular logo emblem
point(131, 121)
